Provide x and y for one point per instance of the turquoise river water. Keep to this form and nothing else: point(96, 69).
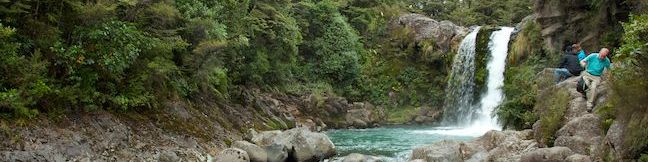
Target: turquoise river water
point(393, 143)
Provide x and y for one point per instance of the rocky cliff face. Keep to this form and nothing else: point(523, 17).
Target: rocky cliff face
point(579, 21)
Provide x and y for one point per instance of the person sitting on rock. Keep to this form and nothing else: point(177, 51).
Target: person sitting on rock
point(568, 67)
point(580, 51)
point(595, 63)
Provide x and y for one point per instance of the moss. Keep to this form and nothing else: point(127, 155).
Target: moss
point(526, 44)
point(400, 115)
point(607, 116)
point(275, 125)
point(482, 55)
point(551, 112)
point(228, 142)
point(643, 158)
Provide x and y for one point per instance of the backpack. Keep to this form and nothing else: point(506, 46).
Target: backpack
point(580, 86)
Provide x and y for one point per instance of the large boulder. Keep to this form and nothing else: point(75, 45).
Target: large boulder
point(363, 115)
point(307, 145)
point(358, 118)
point(505, 145)
point(265, 138)
point(443, 151)
point(547, 154)
point(427, 115)
point(232, 155)
point(355, 157)
point(445, 34)
point(614, 140)
point(582, 135)
point(256, 153)
point(302, 144)
point(276, 153)
point(578, 158)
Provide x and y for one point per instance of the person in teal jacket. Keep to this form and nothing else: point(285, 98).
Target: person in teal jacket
point(581, 53)
point(594, 65)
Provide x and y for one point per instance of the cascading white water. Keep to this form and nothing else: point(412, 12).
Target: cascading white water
point(484, 120)
point(493, 97)
point(459, 93)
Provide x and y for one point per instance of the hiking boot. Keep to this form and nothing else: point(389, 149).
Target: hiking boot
point(590, 107)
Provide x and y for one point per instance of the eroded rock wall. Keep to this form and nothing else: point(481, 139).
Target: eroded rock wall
point(579, 21)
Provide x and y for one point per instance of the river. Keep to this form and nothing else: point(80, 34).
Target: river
point(393, 143)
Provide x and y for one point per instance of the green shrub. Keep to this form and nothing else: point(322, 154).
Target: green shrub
point(643, 158)
point(22, 83)
point(551, 112)
point(520, 91)
point(630, 84)
point(333, 47)
point(482, 55)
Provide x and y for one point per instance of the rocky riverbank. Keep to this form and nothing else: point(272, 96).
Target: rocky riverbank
point(183, 131)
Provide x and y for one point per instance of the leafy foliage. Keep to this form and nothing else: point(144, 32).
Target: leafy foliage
point(475, 12)
point(551, 112)
point(630, 85)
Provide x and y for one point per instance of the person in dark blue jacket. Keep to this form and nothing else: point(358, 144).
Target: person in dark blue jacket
point(569, 66)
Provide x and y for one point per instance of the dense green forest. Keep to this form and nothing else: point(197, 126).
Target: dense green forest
point(128, 54)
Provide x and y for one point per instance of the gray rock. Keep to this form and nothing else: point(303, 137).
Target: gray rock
point(363, 115)
point(277, 153)
point(444, 151)
point(578, 158)
point(582, 135)
point(614, 140)
point(232, 155)
point(505, 145)
point(256, 153)
point(445, 34)
point(427, 115)
point(307, 145)
point(168, 156)
point(355, 157)
point(586, 125)
point(265, 138)
point(302, 144)
point(548, 154)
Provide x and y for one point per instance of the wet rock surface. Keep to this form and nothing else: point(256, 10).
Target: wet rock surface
point(355, 157)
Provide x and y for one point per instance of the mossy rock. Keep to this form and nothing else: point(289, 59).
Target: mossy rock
point(482, 55)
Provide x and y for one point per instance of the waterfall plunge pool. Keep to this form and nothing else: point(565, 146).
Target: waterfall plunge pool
point(395, 143)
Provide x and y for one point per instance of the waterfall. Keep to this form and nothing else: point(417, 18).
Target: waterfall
point(458, 106)
point(459, 110)
point(493, 97)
